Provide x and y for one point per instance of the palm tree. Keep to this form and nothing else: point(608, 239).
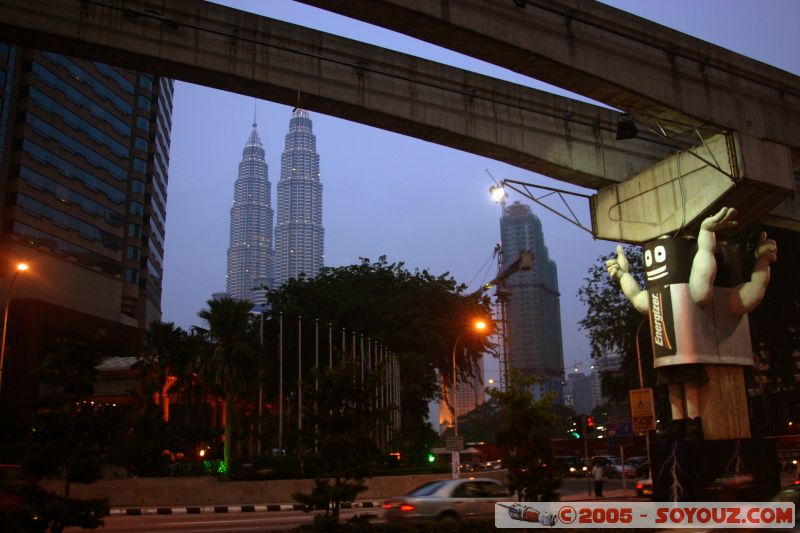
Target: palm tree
point(230, 360)
point(167, 359)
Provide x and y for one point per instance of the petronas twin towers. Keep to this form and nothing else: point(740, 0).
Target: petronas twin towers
point(299, 235)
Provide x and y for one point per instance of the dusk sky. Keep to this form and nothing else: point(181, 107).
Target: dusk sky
point(387, 194)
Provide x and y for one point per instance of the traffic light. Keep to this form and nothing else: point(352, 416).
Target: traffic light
point(431, 458)
point(590, 424)
point(576, 432)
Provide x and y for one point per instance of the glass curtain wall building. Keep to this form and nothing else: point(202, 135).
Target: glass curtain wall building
point(250, 251)
point(299, 235)
point(534, 310)
point(84, 152)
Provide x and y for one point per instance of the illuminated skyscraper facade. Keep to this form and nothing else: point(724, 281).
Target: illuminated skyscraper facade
point(250, 250)
point(299, 235)
point(470, 394)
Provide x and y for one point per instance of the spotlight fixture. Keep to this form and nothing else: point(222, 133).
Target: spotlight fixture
point(497, 192)
point(626, 127)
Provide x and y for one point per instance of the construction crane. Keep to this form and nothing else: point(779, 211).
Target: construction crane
point(502, 293)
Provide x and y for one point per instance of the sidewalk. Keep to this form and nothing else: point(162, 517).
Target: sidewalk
point(376, 504)
point(206, 509)
point(608, 494)
point(786, 478)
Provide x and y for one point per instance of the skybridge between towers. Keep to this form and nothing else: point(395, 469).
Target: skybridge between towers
point(698, 126)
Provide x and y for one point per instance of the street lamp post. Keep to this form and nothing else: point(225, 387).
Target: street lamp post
point(641, 386)
point(260, 384)
point(21, 267)
point(455, 456)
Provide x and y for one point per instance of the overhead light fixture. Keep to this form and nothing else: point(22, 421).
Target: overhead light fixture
point(626, 127)
point(497, 192)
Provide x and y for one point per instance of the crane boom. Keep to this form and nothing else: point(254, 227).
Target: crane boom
point(523, 262)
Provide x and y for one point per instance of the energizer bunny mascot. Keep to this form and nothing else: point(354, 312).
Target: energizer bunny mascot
point(695, 319)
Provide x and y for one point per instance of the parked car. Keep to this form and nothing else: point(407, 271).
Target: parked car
point(447, 499)
point(644, 488)
point(643, 470)
point(615, 468)
point(604, 461)
point(641, 464)
point(636, 460)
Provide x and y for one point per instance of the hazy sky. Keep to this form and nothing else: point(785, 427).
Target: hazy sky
point(387, 194)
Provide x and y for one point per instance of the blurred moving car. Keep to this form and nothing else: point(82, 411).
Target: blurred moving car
point(571, 465)
point(644, 488)
point(447, 499)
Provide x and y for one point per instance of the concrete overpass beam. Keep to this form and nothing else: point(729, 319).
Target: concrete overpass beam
point(224, 48)
point(665, 78)
point(608, 55)
point(228, 49)
point(752, 175)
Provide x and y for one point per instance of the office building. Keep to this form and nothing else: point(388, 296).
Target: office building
point(579, 392)
point(299, 235)
point(603, 365)
point(84, 152)
point(250, 250)
point(533, 308)
point(470, 394)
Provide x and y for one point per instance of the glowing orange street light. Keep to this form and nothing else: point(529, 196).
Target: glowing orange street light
point(478, 325)
point(21, 267)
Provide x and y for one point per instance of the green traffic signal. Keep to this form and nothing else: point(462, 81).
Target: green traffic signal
point(431, 458)
point(578, 425)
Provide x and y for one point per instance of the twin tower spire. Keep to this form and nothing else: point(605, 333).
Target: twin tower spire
point(255, 260)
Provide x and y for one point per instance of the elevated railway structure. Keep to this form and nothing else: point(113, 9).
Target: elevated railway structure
point(714, 127)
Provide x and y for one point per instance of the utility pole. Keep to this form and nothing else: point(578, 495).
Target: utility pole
point(260, 384)
point(586, 452)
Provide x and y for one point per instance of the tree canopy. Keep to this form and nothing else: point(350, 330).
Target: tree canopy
point(775, 332)
point(346, 426)
point(231, 357)
point(775, 323)
point(416, 315)
point(66, 424)
point(525, 431)
point(612, 324)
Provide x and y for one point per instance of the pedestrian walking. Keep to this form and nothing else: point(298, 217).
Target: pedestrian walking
point(597, 475)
